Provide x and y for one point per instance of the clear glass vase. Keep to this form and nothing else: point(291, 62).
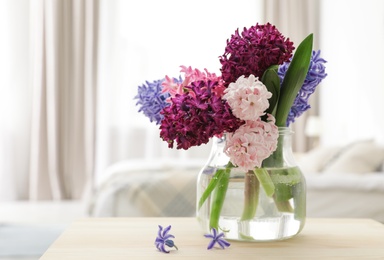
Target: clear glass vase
point(265, 204)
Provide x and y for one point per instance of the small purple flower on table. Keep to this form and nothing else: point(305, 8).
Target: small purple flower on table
point(217, 238)
point(163, 239)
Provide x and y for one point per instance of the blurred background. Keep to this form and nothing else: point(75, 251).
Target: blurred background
point(69, 71)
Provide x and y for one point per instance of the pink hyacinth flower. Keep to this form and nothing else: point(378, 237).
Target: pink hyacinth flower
point(252, 142)
point(247, 97)
point(169, 85)
point(191, 75)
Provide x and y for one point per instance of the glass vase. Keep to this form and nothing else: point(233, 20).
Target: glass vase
point(266, 204)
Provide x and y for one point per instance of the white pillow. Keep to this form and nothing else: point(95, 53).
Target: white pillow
point(316, 159)
point(359, 157)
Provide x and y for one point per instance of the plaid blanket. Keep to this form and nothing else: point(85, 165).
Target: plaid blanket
point(164, 192)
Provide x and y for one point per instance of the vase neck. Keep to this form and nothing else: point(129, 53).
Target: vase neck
point(283, 155)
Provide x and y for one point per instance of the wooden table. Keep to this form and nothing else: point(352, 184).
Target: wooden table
point(133, 238)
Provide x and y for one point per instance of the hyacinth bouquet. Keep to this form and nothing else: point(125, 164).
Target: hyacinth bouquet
point(262, 86)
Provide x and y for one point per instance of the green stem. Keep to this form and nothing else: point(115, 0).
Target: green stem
point(285, 180)
point(299, 200)
point(251, 195)
point(211, 186)
point(265, 181)
point(218, 198)
point(283, 206)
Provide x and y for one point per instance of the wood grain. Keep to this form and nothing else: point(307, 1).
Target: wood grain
point(133, 238)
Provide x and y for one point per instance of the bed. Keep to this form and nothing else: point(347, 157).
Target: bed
point(345, 182)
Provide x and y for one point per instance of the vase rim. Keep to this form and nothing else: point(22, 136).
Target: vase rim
point(285, 130)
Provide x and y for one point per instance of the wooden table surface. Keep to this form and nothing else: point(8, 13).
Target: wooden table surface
point(133, 238)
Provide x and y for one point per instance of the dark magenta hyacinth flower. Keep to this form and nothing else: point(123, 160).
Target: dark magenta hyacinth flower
point(217, 238)
point(253, 51)
point(315, 75)
point(163, 239)
point(196, 116)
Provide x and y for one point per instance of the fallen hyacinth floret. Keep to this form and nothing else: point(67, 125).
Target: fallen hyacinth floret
point(163, 239)
point(217, 238)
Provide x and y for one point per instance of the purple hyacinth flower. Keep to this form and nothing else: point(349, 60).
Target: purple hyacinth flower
point(217, 238)
point(152, 100)
point(163, 239)
point(315, 75)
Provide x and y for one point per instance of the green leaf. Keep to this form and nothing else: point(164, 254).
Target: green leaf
point(294, 79)
point(272, 81)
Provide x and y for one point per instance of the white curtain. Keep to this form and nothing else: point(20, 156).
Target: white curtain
point(64, 58)
point(48, 109)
